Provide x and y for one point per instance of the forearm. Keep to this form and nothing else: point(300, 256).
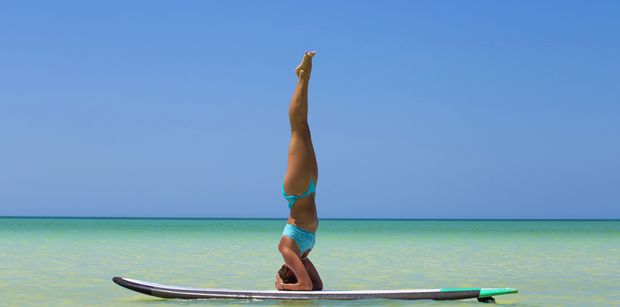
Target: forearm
point(296, 287)
point(317, 283)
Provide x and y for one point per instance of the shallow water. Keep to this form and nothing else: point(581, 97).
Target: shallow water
point(54, 261)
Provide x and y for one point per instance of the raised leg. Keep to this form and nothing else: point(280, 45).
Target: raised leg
point(302, 165)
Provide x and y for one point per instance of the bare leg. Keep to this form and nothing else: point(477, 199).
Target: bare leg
point(302, 165)
point(301, 168)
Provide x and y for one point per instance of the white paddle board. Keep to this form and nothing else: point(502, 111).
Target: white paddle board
point(166, 291)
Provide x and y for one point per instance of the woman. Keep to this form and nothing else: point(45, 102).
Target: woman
point(300, 180)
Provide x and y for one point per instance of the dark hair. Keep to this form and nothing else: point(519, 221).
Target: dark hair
point(287, 275)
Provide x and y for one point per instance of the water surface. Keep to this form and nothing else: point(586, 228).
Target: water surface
point(54, 261)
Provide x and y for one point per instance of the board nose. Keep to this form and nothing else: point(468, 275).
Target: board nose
point(131, 285)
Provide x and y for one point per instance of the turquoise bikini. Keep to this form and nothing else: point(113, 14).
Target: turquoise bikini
point(305, 239)
point(293, 198)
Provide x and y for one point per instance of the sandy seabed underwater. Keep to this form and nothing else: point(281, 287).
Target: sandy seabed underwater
point(70, 261)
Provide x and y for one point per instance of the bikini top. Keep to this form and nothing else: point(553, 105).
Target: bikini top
point(293, 198)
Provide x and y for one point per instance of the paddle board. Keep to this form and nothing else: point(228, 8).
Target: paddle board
point(166, 291)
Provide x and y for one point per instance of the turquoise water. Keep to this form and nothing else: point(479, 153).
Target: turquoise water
point(55, 261)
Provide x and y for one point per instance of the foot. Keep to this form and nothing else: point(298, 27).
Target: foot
point(305, 67)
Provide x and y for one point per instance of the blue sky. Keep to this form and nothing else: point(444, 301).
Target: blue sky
point(419, 109)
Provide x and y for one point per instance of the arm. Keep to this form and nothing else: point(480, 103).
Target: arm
point(304, 283)
point(317, 283)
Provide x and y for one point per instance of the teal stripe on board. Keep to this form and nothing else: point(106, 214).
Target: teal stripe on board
point(492, 292)
point(71, 261)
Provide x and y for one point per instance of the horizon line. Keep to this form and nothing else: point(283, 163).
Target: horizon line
point(283, 218)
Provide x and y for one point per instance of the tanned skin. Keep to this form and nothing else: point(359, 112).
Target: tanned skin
point(301, 168)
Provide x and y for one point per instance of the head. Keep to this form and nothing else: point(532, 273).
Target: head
point(287, 275)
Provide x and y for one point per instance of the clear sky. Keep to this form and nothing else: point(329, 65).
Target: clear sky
point(419, 109)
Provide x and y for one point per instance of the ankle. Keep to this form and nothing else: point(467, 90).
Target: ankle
point(303, 75)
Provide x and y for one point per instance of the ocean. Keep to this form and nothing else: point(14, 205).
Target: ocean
point(71, 261)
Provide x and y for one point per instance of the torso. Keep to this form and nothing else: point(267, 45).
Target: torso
point(303, 214)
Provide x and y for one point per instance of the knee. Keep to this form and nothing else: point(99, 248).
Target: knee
point(301, 129)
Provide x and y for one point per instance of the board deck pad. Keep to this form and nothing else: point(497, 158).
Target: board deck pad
point(165, 291)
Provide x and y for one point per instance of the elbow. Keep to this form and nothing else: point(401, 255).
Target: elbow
point(317, 286)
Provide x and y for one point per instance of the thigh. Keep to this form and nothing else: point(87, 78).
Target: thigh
point(301, 166)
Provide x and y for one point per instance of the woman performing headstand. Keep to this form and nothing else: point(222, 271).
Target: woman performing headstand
point(300, 180)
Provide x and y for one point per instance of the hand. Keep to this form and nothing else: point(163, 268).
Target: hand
point(279, 283)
